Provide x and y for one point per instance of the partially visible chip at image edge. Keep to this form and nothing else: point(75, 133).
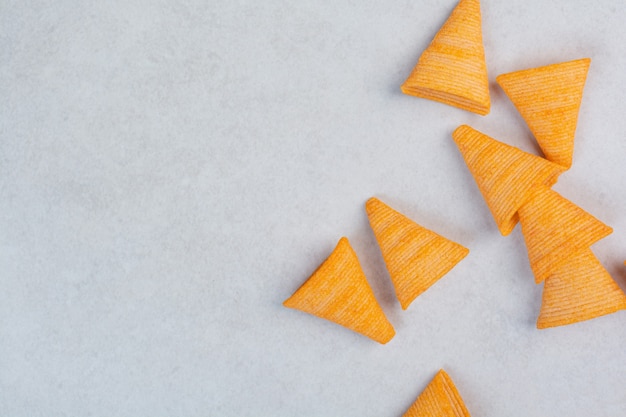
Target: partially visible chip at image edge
point(452, 70)
point(439, 399)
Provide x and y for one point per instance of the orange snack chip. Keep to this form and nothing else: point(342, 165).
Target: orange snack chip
point(581, 289)
point(452, 70)
point(554, 228)
point(338, 291)
point(504, 174)
point(549, 98)
point(416, 257)
point(439, 399)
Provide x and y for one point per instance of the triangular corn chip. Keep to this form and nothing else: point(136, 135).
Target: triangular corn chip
point(504, 174)
point(452, 69)
point(415, 257)
point(338, 291)
point(439, 399)
point(548, 98)
point(554, 228)
point(580, 290)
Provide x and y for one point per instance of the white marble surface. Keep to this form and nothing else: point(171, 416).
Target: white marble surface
point(171, 171)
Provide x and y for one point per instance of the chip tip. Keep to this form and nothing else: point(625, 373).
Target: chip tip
point(387, 339)
point(371, 202)
point(460, 131)
point(506, 230)
point(482, 110)
point(372, 205)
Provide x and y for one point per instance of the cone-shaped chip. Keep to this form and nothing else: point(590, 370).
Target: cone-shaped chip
point(548, 98)
point(554, 228)
point(338, 291)
point(416, 257)
point(439, 399)
point(504, 174)
point(580, 290)
point(452, 70)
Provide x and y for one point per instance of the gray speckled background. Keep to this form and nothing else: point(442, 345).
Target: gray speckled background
point(171, 171)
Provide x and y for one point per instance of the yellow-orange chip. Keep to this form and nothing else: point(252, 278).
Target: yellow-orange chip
point(549, 98)
point(416, 257)
point(439, 399)
point(554, 228)
point(579, 290)
point(504, 174)
point(338, 291)
point(452, 69)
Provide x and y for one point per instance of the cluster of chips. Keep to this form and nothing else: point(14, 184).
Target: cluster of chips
point(516, 187)
point(416, 258)
point(558, 234)
point(515, 184)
